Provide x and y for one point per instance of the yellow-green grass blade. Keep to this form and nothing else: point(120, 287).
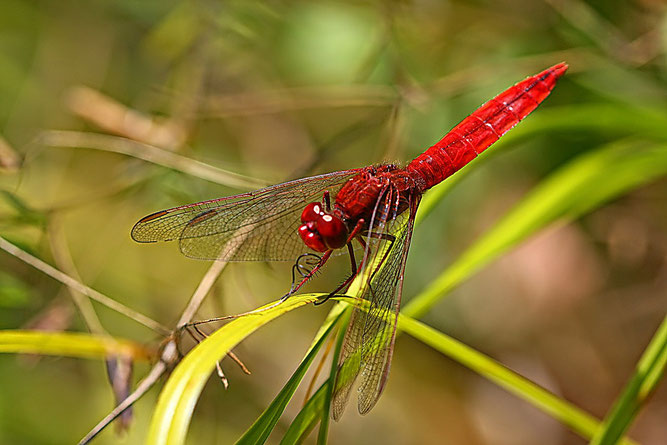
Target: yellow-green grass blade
point(582, 185)
point(603, 118)
point(260, 430)
point(645, 379)
point(70, 344)
point(323, 432)
point(569, 415)
point(177, 400)
point(309, 415)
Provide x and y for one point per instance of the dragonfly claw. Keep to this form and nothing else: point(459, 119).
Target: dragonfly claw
point(323, 300)
point(305, 264)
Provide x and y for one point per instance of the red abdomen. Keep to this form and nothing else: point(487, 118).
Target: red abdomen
point(484, 127)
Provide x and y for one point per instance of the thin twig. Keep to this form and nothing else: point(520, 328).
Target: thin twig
point(170, 352)
point(239, 362)
point(281, 100)
point(63, 259)
point(218, 365)
point(142, 388)
point(82, 288)
point(231, 355)
point(202, 290)
point(221, 374)
point(149, 153)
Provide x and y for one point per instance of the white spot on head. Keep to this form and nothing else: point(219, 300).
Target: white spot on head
point(327, 218)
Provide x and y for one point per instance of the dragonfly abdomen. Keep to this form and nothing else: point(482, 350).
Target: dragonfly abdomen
point(484, 127)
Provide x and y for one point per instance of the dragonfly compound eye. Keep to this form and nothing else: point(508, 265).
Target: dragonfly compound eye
point(311, 237)
point(311, 212)
point(332, 230)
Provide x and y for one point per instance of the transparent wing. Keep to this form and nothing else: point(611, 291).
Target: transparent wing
point(254, 226)
point(369, 339)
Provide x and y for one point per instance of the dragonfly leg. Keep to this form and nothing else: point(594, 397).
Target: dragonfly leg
point(353, 262)
point(308, 275)
point(326, 199)
point(218, 364)
point(382, 236)
point(391, 239)
point(310, 259)
point(348, 280)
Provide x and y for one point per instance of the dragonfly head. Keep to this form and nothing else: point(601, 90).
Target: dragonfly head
point(321, 230)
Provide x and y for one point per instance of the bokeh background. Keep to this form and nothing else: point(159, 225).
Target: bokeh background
point(284, 89)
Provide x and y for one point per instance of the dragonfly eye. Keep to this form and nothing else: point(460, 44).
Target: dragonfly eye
point(321, 231)
point(333, 230)
point(312, 238)
point(312, 212)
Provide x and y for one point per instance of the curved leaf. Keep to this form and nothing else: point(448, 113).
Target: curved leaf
point(177, 400)
point(568, 414)
point(322, 435)
point(605, 118)
point(307, 418)
point(70, 344)
point(585, 183)
point(260, 430)
point(649, 372)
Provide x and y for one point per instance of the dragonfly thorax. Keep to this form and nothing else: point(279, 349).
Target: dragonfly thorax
point(321, 230)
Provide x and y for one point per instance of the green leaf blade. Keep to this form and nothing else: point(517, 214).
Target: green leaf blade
point(585, 183)
point(262, 427)
point(645, 379)
point(176, 403)
point(69, 344)
point(568, 414)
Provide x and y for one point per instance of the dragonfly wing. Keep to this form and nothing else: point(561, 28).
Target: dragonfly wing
point(349, 364)
point(379, 331)
point(369, 339)
point(254, 226)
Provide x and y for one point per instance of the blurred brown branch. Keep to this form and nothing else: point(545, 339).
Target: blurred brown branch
point(275, 101)
point(114, 117)
point(9, 158)
point(148, 153)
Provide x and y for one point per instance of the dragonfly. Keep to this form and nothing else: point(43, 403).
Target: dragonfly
point(371, 208)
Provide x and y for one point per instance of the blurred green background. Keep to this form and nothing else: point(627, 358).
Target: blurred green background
point(284, 89)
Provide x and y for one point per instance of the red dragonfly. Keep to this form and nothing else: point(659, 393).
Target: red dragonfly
point(372, 206)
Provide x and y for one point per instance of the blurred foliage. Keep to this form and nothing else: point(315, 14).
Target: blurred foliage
point(276, 90)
